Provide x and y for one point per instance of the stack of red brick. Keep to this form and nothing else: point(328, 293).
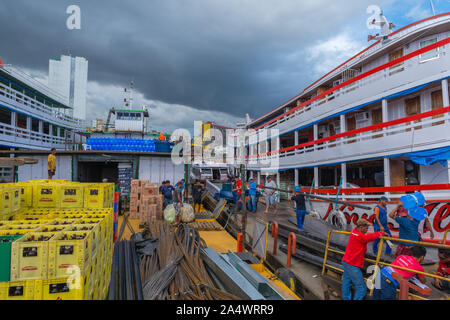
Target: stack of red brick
point(146, 203)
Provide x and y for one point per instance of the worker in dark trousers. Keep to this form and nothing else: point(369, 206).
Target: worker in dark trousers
point(300, 206)
point(380, 223)
point(353, 260)
point(117, 189)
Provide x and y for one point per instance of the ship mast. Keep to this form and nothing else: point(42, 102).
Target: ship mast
point(129, 102)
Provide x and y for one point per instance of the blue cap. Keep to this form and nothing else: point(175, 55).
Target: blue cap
point(384, 198)
point(297, 189)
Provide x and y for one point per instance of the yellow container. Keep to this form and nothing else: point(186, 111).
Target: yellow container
point(5, 202)
point(26, 194)
point(15, 232)
point(20, 226)
point(58, 222)
point(46, 195)
point(67, 288)
point(29, 256)
point(15, 193)
point(68, 250)
point(20, 290)
point(71, 196)
point(54, 229)
point(96, 195)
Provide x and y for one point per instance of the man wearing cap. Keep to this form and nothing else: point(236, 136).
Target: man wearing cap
point(301, 206)
point(380, 223)
point(353, 260)
point(252, 193)
point(408, 229)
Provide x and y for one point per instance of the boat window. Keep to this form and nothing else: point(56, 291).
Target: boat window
point(5, 115)
point(35, 125)
point(430, 55)
point(206, 171)
point(46, 128)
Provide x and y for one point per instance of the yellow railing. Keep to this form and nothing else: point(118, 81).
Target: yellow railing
point(378, 258)
point(445, 236)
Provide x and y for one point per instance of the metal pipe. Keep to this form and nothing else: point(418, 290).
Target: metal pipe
point(275, 236)
point(292, 244)
point(353, 205)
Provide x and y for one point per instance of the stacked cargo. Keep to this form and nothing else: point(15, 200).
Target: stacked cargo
point(10, 200)
point(60, 246)
point(146, 203)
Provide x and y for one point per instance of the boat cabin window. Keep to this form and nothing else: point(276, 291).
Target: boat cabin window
point(430, 55)
point(5, 115)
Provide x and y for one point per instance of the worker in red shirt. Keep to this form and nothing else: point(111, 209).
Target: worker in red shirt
point(353, 260)
point(237, 192)
point(389, 285)
point(443, 270)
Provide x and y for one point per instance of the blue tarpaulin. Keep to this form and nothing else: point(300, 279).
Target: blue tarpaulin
point(429, 157)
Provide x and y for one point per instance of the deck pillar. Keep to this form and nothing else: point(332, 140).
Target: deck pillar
point(384, 111)
point(316, 177)
point(387, 175)
point(445, 96)
point(344, 177)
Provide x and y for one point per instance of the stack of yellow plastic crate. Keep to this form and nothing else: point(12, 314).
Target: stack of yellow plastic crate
point(64, 252)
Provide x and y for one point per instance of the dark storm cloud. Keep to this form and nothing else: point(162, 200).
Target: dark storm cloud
point(224, 55)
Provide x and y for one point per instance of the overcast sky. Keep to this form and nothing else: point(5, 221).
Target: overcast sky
point(196, 59)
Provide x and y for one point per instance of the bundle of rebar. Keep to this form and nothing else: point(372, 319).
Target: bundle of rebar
point(175, 271)
point(125, 283)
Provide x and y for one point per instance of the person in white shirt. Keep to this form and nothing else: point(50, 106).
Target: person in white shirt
point(270, 195)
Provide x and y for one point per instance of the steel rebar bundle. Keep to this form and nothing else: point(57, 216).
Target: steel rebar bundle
point(175, 271)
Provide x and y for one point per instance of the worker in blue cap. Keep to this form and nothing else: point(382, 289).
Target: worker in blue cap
point(380, 223)
point(301, 206)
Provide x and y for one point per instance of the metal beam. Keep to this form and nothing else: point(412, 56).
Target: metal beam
point(232, 280)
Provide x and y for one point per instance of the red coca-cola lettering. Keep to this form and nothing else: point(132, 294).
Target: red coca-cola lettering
point(442, 214)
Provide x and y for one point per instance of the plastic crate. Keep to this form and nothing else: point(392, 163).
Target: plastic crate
point(20, 290)
point(5, 254)
point(96, 196)
point(46, 195)
point(5, 202)
point(93, 228)
point(15, 198)
point(61, 222)
point(29, 259)
point(54, 229)
point(65, 252)
point(26, 194)
point(67, 288)
point(14, 232)
point(71, 196)
point(20, 227)
point(27, 222)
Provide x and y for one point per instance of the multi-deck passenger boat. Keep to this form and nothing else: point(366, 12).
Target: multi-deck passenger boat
point(380, 122)
point(32, 116)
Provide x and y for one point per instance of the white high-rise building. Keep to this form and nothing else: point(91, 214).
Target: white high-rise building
point(68, 76)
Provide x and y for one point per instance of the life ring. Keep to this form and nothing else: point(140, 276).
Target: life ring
point(337, 219)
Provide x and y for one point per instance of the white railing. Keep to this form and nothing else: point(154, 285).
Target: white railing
point(12, 134)
point(27, 79)
point(30, 105)
point(363, 137)
point(429, 195)
point(383, 75)
point(380, 45)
